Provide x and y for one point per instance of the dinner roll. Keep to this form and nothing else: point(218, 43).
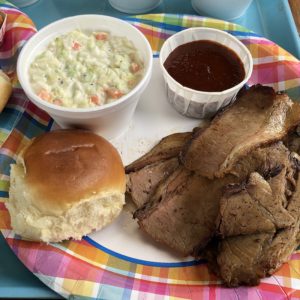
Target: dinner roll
point(65, 184)
point(5, 89)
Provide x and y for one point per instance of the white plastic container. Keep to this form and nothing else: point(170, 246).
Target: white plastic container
point(109, 120)
point(198, 104)
point(221, 9)
point(134, 6)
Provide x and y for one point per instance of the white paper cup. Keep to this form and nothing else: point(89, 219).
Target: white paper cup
point(198, 104)
point(224, 9)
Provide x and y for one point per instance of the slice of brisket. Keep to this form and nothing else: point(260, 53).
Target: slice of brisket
point(168, 147)
point(144, 174)
point(285, 241)
point(245, 259)
point(252, 208)
point(183, 210)
point(239, 258)
point(279, 251)
point(240, 215)
point(292, 141)
point(143, 182)
point(258, 117)
point(260, 191)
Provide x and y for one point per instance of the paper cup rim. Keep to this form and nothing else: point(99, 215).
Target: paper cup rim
point(224, 92)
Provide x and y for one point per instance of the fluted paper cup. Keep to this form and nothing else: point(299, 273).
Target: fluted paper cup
point(194, 103)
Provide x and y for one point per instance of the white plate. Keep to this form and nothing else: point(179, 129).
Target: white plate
point(154, 119)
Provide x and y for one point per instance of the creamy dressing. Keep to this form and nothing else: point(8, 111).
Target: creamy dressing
point(81, 70)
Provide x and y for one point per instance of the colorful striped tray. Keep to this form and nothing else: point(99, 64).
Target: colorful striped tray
point(83, 269)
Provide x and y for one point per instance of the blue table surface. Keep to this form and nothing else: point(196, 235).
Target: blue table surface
point(15, 280)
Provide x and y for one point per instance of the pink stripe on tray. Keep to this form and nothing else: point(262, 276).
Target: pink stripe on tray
point(15, 12)
point(274, 290)
point(38, 112)
point(11, 11)
point(17, 100)
point(295, 256)
point(275, 72)
point(258, 41)
point(14, 36)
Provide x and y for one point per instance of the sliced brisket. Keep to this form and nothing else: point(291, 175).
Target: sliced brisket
point(261, 192)
point(144, 174)
point(168, 147)
point(285, 241)
point(253, 209)
point(239, 258)
point(292, 141)
point(258, 117)
point(240, 215)
point(143, 182)
point(182, 212)
point(245, 259)
point(182, 203)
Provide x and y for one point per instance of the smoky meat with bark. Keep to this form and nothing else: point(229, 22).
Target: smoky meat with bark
point(229, 192)
point(258, 117)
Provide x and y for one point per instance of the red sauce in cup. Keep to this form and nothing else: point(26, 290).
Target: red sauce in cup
point(205, 66)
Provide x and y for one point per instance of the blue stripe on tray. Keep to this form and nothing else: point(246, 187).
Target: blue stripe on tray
point(3, 194)
point(12, 110)
point(141, 261)
point(242, 33)
point(50, 124)
point(5, 162)
point(33, 122)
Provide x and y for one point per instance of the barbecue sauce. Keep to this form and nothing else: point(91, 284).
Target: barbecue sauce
point(205, 66)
